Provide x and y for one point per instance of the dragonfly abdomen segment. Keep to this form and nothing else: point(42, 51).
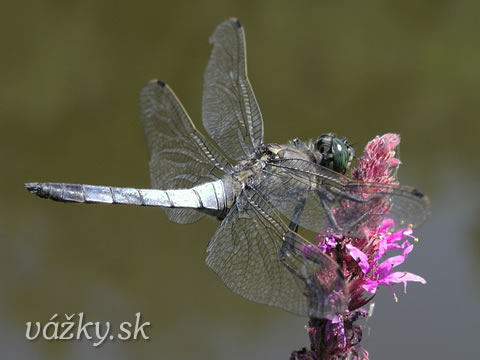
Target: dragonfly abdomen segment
point(210, 195)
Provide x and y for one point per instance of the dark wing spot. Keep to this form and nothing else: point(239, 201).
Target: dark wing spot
point(239, 24)
point(418, 193)
point(161, 83)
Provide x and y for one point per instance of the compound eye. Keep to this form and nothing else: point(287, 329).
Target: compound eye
point(324, 143)
point(321, 148)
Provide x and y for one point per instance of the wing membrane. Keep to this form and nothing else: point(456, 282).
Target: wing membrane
point(230, 111)
point(246, 253)
point(337, 202)
point(179, 155)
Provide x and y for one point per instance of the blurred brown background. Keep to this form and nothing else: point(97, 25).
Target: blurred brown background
point(71, 72)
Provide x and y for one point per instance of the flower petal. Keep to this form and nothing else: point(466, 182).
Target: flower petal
point(386, 266)
point(371, 286)
point(403, 277)
point(360, 257)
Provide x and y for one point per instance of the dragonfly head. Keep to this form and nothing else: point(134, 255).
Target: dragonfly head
point(336, 154)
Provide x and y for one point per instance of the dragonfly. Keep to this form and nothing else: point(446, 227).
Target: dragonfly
point(262, 193)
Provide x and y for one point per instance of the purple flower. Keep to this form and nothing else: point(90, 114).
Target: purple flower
point(366, 260)
point(380, 273)
point(378, 163)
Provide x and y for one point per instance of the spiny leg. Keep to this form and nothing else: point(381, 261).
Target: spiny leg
point(290, 238)
point(331, 217)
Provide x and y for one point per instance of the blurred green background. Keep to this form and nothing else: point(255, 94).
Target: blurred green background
point(71, 72)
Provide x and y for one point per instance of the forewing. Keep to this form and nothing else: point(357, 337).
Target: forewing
point(179, 155)
point(336, 202)
point(406, 205)
point(246, 251)
point(230, 111)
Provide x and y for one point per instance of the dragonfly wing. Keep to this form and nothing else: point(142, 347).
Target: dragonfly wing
point(230, 111)
point(246, 253)
point(179, 155)
point(406, 205)
point(336, 202)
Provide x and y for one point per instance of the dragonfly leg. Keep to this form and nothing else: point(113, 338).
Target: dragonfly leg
point(348, 196)
point(329, 213)
point(290, 238)
point(334, 223)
